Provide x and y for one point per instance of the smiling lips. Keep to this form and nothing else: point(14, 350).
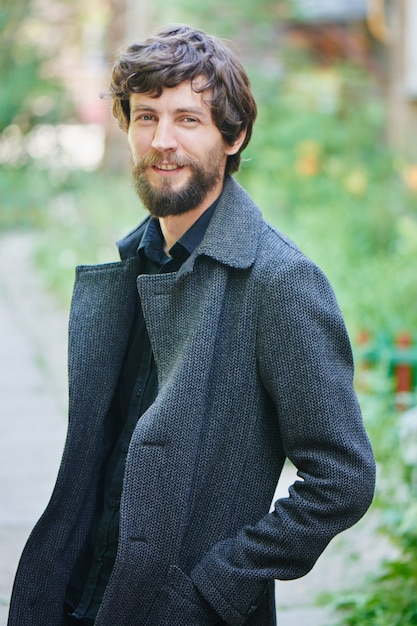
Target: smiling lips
point(168, 167)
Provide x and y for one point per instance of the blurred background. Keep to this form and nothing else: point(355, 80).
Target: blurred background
point(332, 163)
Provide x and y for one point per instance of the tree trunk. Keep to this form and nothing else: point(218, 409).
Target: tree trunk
point(402, 81)
point(116, 154)
point(130, 20)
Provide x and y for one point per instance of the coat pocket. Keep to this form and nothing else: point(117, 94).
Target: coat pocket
point(180, 604)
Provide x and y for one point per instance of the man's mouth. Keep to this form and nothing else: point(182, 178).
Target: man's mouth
point(167, 167)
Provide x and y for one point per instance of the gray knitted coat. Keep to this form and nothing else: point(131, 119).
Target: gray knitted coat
point(254, 365)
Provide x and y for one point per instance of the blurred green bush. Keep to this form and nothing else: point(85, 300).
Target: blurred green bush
point(28, 94)
point(319, 168)
point(82, 223)
point(388, 596)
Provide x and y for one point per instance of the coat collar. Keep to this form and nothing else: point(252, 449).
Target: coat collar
point(233, 233)
point(232, 237)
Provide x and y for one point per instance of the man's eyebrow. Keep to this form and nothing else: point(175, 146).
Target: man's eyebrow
point(192, 110)
point(142, 107)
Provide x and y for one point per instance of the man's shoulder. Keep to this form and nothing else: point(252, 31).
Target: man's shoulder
point(275, 237)
point(276, 247)
point(281, 267)
point(243, 220)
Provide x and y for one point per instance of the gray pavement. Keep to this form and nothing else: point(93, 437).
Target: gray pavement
point(33, 399)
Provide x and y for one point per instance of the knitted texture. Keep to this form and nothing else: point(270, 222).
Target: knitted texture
point(254, 366)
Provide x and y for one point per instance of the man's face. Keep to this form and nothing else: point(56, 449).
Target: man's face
point(179, 155)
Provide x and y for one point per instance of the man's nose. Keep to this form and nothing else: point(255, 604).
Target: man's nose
point(164, 139)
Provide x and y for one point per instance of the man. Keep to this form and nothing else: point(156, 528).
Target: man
point(211, 353)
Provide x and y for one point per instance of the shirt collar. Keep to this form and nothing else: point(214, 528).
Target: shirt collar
point(152, 241)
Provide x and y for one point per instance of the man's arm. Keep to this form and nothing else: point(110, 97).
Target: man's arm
point(306, 365)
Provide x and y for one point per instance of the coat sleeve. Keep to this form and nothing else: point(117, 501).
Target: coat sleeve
point(305, 362)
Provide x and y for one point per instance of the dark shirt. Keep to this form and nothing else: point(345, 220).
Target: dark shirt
point(137, 389)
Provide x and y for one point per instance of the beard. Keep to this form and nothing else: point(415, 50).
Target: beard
point(162, 200)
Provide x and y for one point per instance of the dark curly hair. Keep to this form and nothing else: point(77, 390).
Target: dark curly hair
point(182, 53)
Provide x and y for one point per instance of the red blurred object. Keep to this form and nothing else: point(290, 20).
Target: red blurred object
point(403, 372)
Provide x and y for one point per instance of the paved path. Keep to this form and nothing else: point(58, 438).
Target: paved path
point(32, 401)
point(32, 431)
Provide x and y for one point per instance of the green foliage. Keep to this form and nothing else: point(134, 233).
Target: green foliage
point(26, 96)
point(388, 597)
point(25, 193)
point(229, 19)
point(393, 603)
point(83, 220)
point(318, 167)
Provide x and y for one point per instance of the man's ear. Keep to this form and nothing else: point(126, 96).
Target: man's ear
point(236, 145)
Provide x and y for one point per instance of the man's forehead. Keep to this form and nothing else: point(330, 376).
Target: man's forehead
point(187, 93)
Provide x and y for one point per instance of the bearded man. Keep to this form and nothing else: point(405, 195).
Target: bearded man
point(212, 352)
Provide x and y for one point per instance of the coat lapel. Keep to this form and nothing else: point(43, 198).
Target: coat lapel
point(102, 312)
point(182, 315)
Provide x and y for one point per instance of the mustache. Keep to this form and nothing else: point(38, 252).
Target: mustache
point(155, 158)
